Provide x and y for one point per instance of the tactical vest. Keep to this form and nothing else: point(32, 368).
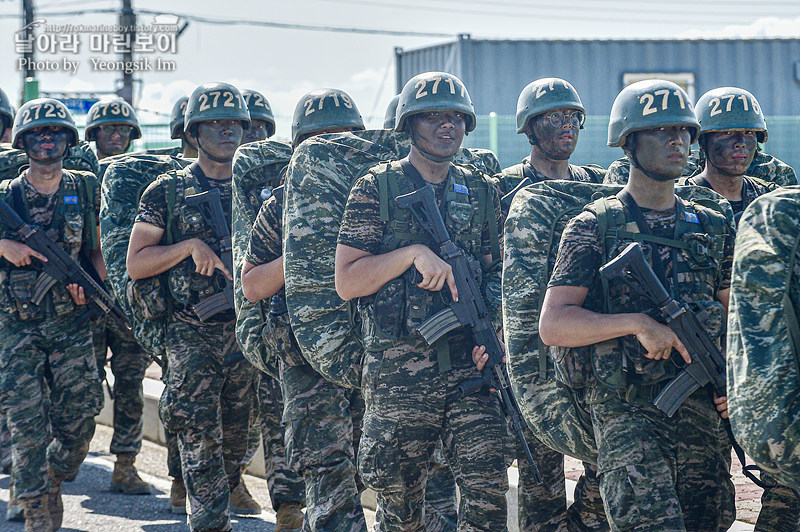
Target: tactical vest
point(394, 313)
point(74, 225)
point(514, 175)
point(697, 253)
point(186, 286)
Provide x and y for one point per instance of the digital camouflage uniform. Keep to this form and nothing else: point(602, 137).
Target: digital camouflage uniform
point(322, 420)
point(50, 386)
point(514, 175)
point(208, 384)
point(257, 167)
point(128, 364)
point(764, 167)
point(125, 177)
point(411, 396)
point(762, 346)
point(780, 507)
point(80, 157)
point(656, 473)
point(543, 507)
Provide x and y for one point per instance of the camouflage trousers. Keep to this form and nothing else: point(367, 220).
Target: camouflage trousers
point(5, 441)
point(128, 364)
point(50, 390)
point(659, 473)
point(173, 454)
point(322, 422)
point(441, 505)
point(410, 405)
point(543, 507)
point(284, 485)
point(207, 404)
point(780, 509)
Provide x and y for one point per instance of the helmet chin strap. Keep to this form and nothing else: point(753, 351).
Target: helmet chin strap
point(652, 175)
point(212, 157)
point(429, 156)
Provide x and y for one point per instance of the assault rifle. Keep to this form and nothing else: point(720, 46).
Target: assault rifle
point(210, 206)
point(61, 267)
point(708, 362)
point(469, 311)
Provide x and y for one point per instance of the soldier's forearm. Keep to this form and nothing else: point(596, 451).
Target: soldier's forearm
point(153, 260)
point(262, 281)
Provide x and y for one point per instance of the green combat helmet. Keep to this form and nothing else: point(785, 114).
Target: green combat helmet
point(391, 112)
point(6, 112)
point(43, 112)
point(650, 104)
point(259, 109)
point(433, 91)
point(215, 101)
point(544, 95)
point(324, 110)
point(730, 109)
point(112, 112)
point(176, 118)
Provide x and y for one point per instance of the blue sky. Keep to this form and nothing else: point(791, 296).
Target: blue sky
point(286, 63)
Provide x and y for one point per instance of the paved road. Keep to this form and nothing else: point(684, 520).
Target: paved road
point(89, 506)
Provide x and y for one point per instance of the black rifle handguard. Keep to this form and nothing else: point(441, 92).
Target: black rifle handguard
point(470, 311)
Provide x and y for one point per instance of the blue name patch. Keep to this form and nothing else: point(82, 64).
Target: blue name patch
point(692, 217)
point(70, 200)
point(462, 189)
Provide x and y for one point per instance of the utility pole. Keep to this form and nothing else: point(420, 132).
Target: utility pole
point(127, 21)
point(28, 54)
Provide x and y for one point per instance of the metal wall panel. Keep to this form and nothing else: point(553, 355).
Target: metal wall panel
point(496, 71)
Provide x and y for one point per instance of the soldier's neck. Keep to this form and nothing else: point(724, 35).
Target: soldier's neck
point(431, 171)
point(728, 186)
point(45, 178)
point(550, 168)
point(214, 169)
point(650, 193)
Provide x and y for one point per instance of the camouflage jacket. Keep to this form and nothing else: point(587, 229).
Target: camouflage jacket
point(763, 350)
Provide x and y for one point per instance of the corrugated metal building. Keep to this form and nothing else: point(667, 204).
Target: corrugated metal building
point(496, 71)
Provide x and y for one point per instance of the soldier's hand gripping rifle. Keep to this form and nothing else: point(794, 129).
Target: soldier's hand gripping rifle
point(61, 267)
point(708, 362)
point(469, 311)
point(210, 206)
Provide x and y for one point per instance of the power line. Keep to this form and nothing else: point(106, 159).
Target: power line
point(243, 22)
point(558, 12)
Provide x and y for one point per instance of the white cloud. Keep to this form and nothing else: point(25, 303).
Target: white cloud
point(766, 27)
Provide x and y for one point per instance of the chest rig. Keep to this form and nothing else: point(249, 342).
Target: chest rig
point(185, 221)
point(72, 225)
point(696, 253)
point(399, 307)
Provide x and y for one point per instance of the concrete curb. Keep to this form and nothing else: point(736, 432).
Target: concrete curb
point(154, 431)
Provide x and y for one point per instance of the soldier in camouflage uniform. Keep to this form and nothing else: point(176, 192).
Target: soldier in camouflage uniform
point(176, 122)
point(728, 141)
point(6, 120)
point(112, 126)
point(764, 338)
point(207, 403)
point(50, 387)
point(255, 173)
point(410, 388)
point(656, 472)
point(550, 113)
point(322, 420)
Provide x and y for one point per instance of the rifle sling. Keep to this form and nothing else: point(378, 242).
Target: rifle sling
point(658, 264)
